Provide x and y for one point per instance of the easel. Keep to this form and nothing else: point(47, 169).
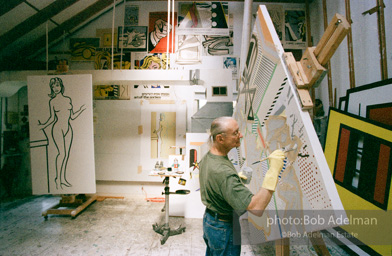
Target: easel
point(282, 246)
point(70, 205)
point(310, 70)
point(308, 73)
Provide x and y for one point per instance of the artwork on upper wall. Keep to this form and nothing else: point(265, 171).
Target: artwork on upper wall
point(103, 59)
point(218, 45)
point(105, 36)
point(231, 63)
point(61, 134)
point(189, 50)
point(270, 117)
point(203, 18)
point(132, 38)
point(158, 30)
point(111, 92)
point(151, 61)
point(83, 49)
point(294, 36)
point(131, 14)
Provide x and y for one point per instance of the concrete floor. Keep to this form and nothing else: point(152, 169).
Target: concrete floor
point(110, 227)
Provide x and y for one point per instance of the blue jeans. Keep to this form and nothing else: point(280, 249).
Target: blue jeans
point(218, 236)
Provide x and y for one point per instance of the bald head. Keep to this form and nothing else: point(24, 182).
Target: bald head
point(220, 125)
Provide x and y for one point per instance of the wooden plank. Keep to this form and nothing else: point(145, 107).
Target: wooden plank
point(381, 36)
point(312, 68)
point(325, 37)
point(318, 243)
point(71, 209)
point(294, 70)
point(282, 247)
point(350, 47)
point(332, 44)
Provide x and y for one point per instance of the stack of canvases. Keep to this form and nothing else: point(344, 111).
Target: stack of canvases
point(358, 150)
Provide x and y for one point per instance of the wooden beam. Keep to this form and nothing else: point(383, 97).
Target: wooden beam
point(7, 5)
point(329, 74)
point(381, 36)
point(350, 46)
point(34, 21)
point(67, 26)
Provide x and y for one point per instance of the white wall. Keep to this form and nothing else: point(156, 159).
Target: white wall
point(365, 45)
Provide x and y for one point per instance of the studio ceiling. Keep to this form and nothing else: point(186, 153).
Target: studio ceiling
point(24, 25)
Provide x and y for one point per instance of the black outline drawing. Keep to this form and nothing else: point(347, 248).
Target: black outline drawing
point(61, 113)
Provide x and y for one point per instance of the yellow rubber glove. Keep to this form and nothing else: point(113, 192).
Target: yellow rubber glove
point(276, 164)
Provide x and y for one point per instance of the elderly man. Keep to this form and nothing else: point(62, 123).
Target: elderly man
point(222, 191)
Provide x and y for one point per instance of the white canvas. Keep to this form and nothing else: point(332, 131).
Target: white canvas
point(270, 117)
point(61, 134)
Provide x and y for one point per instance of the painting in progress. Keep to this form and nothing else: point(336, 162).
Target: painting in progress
point(163, 125)
point(61, 134)
point(270, 117)
point(163, 134)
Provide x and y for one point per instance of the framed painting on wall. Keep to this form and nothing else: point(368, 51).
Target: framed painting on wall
point(132, 38)
point(83, 49)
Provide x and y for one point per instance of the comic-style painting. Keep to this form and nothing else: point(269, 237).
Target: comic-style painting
point(111, 92)
point(61, 134)
point(131, 15)
point(132, 38)
point(189, 50)
point(105, 36)
point(103, 59)
point(295, 29)
point(270, 117)
point(218, 45)
point(203, 18)
point(151, 61)
point(83, 49)
point(160, 31)
point(276, 13)
point(231, 63)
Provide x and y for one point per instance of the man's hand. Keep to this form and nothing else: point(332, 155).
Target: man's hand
point(276, 164)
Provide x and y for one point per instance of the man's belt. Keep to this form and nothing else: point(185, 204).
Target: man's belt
point(222, 217)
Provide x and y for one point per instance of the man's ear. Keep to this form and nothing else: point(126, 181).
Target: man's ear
point(219, 138)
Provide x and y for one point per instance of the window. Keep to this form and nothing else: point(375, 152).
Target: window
point(219, 91)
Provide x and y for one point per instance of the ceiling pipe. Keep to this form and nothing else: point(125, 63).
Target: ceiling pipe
point(246, 32)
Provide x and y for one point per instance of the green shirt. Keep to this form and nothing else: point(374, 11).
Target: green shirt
point(221, 188)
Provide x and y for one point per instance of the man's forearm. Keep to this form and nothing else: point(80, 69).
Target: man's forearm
point(260, 201)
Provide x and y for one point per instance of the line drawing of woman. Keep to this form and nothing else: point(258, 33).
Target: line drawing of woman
point(61, 114)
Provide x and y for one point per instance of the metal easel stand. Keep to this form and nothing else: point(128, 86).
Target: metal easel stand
point(165, 229)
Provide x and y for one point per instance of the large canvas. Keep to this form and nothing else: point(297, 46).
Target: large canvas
point(61, 134)
point(270, 117)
